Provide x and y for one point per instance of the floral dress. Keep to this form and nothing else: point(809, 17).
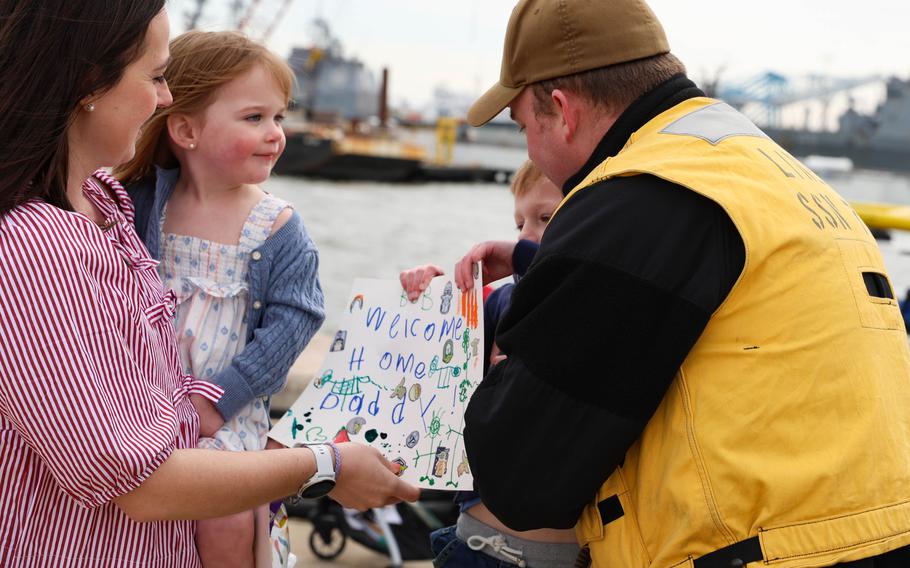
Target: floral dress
point(210, 280)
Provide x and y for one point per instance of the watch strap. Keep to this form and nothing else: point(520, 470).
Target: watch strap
point(325, 472)
point(324, 467)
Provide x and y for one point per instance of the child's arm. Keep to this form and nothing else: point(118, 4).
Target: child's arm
point(496, 257)
point(210, 419)
point(289, 314)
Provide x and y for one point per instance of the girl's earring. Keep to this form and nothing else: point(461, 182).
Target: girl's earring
point(90, 107)
point(192, 145)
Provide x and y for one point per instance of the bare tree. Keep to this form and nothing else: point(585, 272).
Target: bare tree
point(193, 15)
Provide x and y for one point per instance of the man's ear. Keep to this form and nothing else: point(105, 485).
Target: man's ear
point(183, 130)
point(566, 112)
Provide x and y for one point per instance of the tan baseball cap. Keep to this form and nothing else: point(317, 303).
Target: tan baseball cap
point(554, 38)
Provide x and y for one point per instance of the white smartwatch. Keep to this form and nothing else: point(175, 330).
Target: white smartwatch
point(324, 479)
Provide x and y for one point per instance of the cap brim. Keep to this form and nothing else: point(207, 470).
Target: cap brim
point(491, 103)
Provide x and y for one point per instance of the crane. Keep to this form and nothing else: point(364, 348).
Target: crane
point(242, 17)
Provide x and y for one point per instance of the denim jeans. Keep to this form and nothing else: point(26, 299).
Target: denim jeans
point(454, 553)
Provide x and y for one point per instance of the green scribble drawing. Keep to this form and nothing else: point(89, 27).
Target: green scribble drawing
point(459, 435)
point(417, 457)
point(325, 378)
point(463, 387)
point(426, 299)
point(465, 342)
point(346, 387)
point(295, 427)
point(435, 428)
point(445, 373)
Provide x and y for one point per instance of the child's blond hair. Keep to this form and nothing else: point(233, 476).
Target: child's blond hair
point(526, 176)
point(201, 63)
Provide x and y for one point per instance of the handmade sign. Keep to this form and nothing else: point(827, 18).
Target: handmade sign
point(398, 376)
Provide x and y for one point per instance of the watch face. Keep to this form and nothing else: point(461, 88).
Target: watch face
point(318, 489)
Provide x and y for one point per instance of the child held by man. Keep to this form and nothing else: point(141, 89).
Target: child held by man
point(479, 539)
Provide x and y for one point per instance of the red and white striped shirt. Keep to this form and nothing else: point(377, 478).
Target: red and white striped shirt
point(92, 394)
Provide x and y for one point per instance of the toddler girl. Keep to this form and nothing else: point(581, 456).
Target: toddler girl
point(239, 259)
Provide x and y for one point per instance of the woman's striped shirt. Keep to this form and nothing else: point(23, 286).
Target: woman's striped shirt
point(92, 395)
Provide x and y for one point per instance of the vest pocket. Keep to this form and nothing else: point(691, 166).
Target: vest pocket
point(590, 526)
point(871, 288)
point(609, 528)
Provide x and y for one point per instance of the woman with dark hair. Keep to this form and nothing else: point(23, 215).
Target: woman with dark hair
point(97, 428)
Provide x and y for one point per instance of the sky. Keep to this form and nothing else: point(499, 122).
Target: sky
point(458, 43)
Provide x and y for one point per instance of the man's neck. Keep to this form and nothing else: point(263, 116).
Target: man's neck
point(613, 136)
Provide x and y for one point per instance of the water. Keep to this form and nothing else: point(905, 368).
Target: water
point(867, 185)
point(376, 230)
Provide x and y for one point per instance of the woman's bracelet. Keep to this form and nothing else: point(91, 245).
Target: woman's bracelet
point(337, 458)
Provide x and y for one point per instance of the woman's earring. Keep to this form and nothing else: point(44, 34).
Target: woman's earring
point(192, 145)
point(90, 107)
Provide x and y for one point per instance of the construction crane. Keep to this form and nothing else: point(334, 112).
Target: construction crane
point(279, 16)
point(765, 94)
point(243, 16)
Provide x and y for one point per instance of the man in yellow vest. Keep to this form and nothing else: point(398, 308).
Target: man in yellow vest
point(706, 366)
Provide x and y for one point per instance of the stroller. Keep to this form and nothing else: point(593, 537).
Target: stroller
point(402, 531)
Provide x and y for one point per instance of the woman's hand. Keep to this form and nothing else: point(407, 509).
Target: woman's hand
point(415, 280)
point(369, 480)
point(210, 420)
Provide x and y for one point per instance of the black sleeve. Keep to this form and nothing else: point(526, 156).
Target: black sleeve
point(493, 309)
point(522, 256)
point(626, 279)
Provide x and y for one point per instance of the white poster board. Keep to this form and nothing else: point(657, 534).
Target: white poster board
point(398, 376)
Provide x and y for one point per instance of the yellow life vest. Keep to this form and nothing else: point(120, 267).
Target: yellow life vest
point(787, 427)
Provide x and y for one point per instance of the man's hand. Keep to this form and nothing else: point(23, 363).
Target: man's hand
point(415, 280)
point(210, 420)
point(497, 263)
point(369, 480)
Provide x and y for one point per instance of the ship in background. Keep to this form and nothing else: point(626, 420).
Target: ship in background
point(878, 141)
point(837, 123)
point(340, 128)
point(864, 120)
point(344, 130)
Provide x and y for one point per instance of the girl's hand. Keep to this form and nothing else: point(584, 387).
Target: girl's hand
point(369, 480)
point(415, 280)
point(210, 420)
